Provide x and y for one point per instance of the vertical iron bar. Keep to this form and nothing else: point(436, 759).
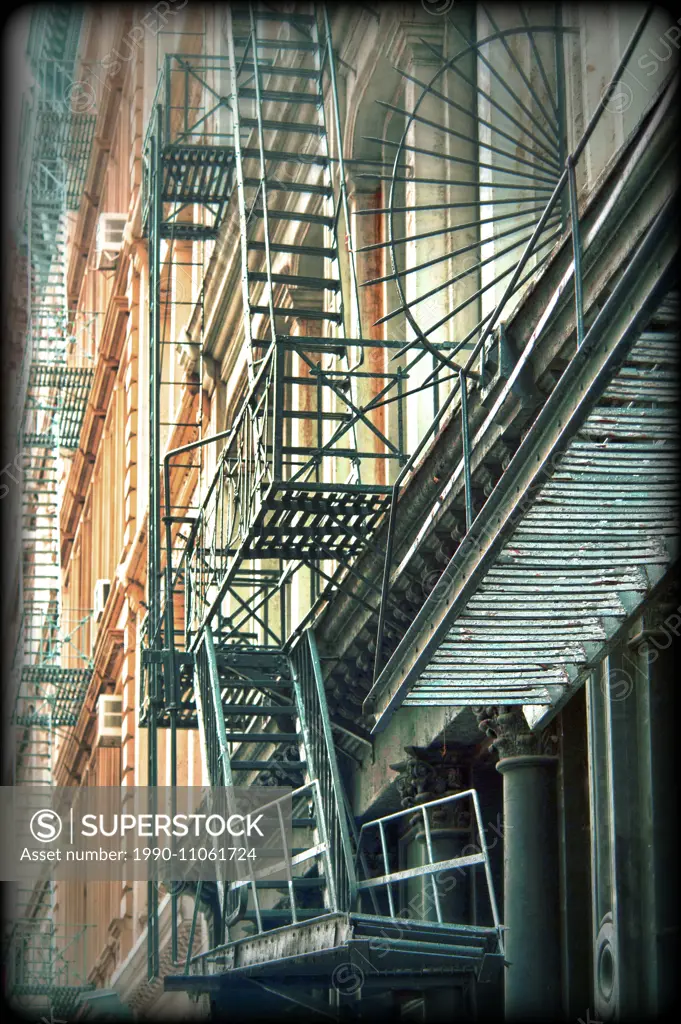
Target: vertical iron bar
point(389, 887)
point(431, 860)
point(387, 565)
point(153, 542)
point(488, 869)
point(289, 870)
point(238, 166)
point(341, 171)
point(577, 252)
point(330, 759)
point(192, 929)
point(465, 440)
point(263, 171)
point(560, 106)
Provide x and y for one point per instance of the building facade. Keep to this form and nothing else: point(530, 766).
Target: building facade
point(344, 373)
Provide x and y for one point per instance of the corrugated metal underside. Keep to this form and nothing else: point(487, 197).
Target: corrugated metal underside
point(599, 536)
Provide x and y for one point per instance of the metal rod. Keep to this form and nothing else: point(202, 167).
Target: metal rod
point(577, 252)
point(341, 169)
point(389, 888)
point(192, 930)
point(466, 450)
point(431, 860)
point(617, 74)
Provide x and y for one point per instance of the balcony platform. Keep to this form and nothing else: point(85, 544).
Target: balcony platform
point(378, 949)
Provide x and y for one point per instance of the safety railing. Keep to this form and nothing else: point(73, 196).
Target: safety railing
point(189, 110)
point(564, 192)
point(246, 469)
point(323, 766)
point(437, 873)
point(285, 869)
point(43, 956)
point(260, 451)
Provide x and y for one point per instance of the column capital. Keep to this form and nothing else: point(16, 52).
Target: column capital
point(426, 775)
point(510, 734)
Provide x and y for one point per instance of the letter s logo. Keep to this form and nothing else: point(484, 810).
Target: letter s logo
point(45, 826)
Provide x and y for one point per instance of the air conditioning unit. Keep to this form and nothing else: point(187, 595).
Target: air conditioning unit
point(102, 588)
point(109, 720)
point(110, 228)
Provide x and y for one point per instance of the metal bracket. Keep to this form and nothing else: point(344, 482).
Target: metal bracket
point(162, 657)
point(497, 360)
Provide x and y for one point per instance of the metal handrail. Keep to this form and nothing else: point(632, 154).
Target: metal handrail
point(567, 178)
point(432, 867)
point(320, 849)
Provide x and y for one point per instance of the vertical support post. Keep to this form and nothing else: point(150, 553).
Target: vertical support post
point(153, 540)
point(263, 172)
point(577, 252)
point(238, 166)
point(385, 587)
point(465, 440)
point(192, 930)
point(341, 172)
point(560, 105)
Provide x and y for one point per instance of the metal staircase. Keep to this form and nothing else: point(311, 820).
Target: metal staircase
point(301, 482)
point(264, 722)
point(294, 485)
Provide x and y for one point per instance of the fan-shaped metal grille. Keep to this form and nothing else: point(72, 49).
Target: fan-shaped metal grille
point(481, 151)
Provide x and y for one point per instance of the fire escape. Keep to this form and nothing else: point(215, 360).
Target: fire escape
point(294, 493)
point(308, 482)
point(50, 672)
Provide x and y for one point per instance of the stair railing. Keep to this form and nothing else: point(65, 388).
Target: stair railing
point(320, 752)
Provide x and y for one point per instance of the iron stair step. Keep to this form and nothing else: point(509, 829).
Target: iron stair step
point(313, 283)
point(295, 215)
point(284, 915)
point(285, 156)
point(280, 16)
point(188, 232)
point(291, 186)
point(263, 737)
point(286, 126)
point(298, 883)
point(276, 44)
point(261, 766)
point(254, 684)
point(260, 710)
point(249, 93)
point(370, 924)
point(276, 69)
point(296, 250)
point(303, 314)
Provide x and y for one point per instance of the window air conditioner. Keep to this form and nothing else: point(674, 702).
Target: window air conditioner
point(109, 720)
point(109, 240)
point(102, 588)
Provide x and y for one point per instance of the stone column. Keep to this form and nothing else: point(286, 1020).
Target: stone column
point(531, 865)
point(427, 775)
